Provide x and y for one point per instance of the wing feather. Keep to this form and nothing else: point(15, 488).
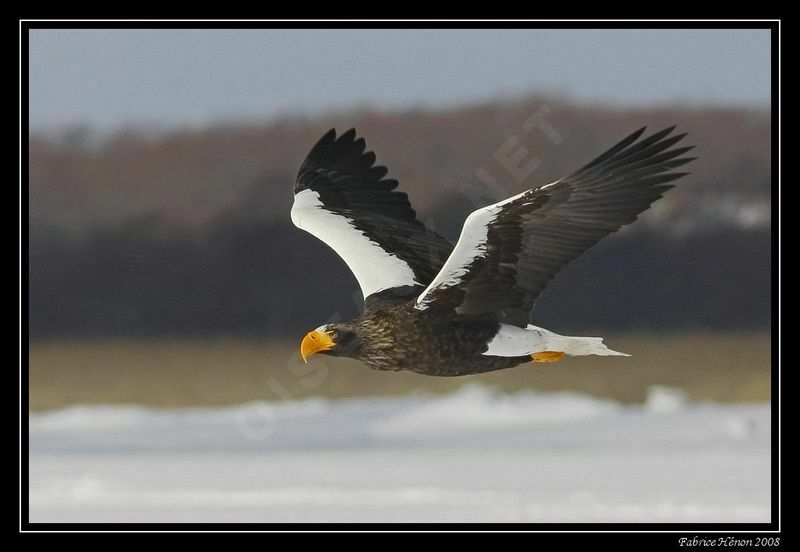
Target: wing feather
point(508, 252)
point(344, 199)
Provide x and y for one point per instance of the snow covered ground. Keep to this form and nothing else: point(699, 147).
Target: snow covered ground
point(475, 455)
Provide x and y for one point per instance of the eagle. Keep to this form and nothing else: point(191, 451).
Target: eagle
point(440, 309)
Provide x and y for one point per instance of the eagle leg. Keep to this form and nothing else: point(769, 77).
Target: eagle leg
point(547, 356)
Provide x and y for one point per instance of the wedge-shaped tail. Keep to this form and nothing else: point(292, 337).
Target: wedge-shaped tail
point(512, 341)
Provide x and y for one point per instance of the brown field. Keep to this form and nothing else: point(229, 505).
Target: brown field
point(179, 373)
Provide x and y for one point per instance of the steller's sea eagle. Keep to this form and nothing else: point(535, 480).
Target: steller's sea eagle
point(441, 310)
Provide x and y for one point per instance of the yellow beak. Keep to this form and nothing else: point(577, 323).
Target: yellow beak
point(315, 342)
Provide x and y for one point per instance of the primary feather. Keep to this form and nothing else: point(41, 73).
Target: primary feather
point(344, 199)
point(508, 252)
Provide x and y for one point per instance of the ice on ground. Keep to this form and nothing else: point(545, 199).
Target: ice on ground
point(474, 455)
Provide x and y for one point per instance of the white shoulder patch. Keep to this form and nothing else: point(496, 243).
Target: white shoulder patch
point(471, 245)
point(374, 268)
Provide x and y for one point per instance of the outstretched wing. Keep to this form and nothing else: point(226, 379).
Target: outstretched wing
point(508, 252)
point(342, 198)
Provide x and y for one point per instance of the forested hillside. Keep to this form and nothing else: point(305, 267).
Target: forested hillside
point(187, 232)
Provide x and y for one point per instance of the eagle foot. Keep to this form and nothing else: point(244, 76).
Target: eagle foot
point(547, 356)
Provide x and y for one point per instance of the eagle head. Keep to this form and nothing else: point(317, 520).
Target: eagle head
point(329, 339)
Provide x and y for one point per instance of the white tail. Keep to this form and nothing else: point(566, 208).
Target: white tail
point(512, 341)
point(577, 346)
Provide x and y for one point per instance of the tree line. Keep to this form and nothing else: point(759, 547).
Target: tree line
point(187, 233)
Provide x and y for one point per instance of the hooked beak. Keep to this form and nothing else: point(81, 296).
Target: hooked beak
point(315, 342)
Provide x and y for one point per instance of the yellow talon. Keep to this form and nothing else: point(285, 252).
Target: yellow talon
point(547, 356)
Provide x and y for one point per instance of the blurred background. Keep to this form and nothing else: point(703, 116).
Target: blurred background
point(165, 271)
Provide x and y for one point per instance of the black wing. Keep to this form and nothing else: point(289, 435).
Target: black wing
point(508, 252)
point(342, 198)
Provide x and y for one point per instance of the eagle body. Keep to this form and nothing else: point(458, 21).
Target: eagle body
point(401, 337)
point(443, 309)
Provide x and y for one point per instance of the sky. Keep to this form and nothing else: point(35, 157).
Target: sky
point(109, 78)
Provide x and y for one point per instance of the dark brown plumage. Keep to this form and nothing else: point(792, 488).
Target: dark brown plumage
point(400, 337)
point(440, 310)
